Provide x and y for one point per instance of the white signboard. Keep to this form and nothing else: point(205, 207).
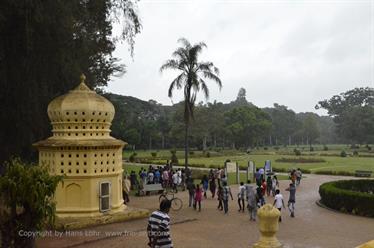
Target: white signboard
point(268, 166)
point(230, 167)
point(251, 167)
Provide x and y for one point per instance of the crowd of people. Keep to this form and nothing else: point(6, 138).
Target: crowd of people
point(249, 196)
point(164, 175)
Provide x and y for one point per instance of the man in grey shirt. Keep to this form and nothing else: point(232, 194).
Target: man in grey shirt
point(292, 199)
point(252, 201)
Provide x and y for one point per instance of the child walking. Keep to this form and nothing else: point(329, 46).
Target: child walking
point(198, 197)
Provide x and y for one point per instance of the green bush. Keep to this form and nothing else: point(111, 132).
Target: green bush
point(174, 159)
point(355, 153)
point(132, 157)
point(352, 196)
point(325, 148)
point(343, 154)
point(154, 154)
point(334, 173)
point(208, 155)
point(300, 160)
point(26, 196)
point(198, 174)
point(311, 149)
point(297, 152)
point(191, 152)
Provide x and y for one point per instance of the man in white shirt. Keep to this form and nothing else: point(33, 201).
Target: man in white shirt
point(175, 181)
point(241, 197)
point(278, 202)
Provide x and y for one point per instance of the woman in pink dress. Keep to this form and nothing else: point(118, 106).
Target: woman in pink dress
point(198, 196)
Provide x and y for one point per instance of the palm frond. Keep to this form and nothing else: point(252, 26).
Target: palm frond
point(184, 42)
point(204, 88)
point(212, 76)
point(177, 83)
point(170, 64)
point(205, 66)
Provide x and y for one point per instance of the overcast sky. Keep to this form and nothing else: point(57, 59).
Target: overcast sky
point(294, 53)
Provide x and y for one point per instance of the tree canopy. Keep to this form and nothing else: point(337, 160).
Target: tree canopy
point(44, 48)
point(353, 113)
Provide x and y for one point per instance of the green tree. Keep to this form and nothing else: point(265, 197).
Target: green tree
point(247, 125)
point(352, 112)
point(191, 78)
point(284, 124)
point(44, 47)
point(26, 194)
point(310, 128)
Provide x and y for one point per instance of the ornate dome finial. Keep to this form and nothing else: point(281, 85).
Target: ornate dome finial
point(83, 78)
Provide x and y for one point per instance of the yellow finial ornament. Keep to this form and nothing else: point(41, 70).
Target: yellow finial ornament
point(83, 78)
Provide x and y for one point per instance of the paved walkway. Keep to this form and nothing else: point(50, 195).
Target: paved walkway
point(313, 226)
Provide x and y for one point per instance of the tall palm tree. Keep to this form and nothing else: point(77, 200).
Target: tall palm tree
point(191, 79)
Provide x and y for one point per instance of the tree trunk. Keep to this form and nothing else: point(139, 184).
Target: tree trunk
point(270, 141)
point(215, 140)
point(289, 140)
point(163, 141)
point(204, 143)
point(186, 145)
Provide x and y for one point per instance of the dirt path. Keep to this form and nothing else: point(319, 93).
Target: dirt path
point(313, 226)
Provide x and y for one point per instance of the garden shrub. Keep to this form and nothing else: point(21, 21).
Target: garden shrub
point(355, 153)
point(311, 149)
point(208, 154)
point(334, 173)
point(343, 154)
point(300, 160)
point(198, 174)
point(352, 196)
point(191, 152)
point(325, 148)
point(154, 154)
point(297, 152)
point(26, 196)
point(132, 157)
point(174, 159)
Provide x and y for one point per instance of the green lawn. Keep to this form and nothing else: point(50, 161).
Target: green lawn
point(332, 163)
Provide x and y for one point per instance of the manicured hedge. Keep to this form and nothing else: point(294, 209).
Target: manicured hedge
point(334, 173)
point(300, 160)
point(352, 196)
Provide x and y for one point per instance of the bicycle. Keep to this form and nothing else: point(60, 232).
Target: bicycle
point(176, 203)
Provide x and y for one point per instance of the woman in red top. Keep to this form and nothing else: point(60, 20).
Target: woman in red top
point(263, 187)
point(198, 196)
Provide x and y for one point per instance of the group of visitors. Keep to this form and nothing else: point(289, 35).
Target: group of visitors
point(216, 183)
point(166, 176)
point(295, 176)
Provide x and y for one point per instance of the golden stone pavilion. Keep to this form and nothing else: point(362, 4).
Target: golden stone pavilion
point(82, 149)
